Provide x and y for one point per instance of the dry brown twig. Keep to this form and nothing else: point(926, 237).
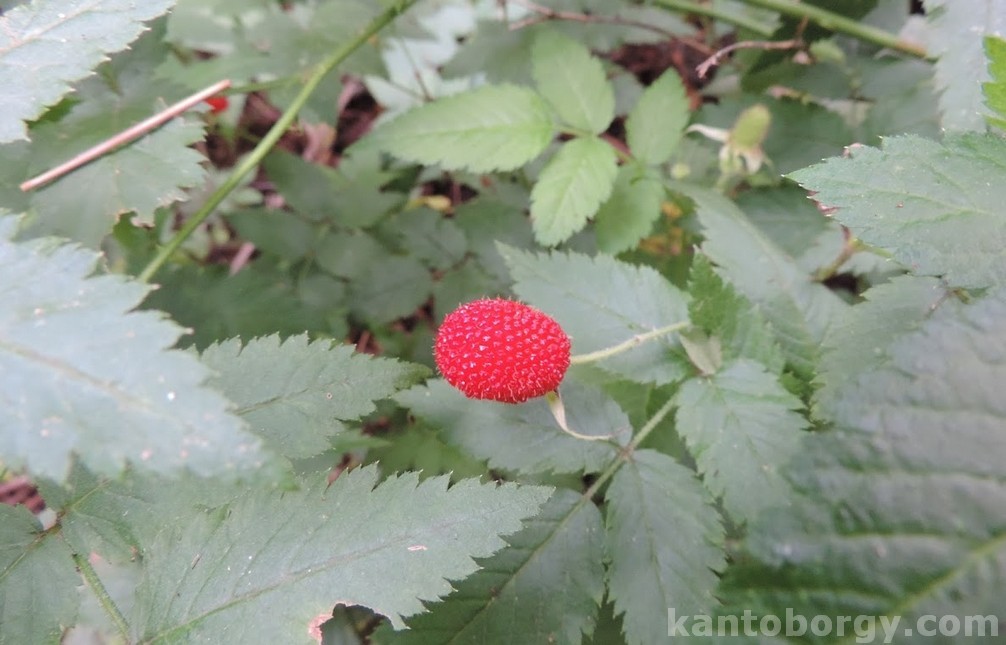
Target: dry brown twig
point(124, 137)
point(796, 42)
point(703, 68)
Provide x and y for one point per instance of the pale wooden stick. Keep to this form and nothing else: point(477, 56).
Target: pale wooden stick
point(125, 136)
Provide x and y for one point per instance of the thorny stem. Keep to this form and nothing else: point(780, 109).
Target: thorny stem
point(625, 346)
point(840, 24)
point(94, 582)
point(272, 137)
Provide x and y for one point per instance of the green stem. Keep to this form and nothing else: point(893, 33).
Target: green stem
point(689, 6)
point(626, 453)
point(94, 582)
point(625, 346)
point(840, 24)
point(272, 137)
point(261, 86)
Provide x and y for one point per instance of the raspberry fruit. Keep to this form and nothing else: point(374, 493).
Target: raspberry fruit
point(501, 350)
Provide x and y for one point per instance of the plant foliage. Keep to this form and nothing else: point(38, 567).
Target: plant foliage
point(772, 230)
point(52, 43)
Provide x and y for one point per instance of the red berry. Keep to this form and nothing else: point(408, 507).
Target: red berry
point(217, 104)
point(501, 350)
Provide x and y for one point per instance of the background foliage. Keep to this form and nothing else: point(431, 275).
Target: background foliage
point(216, 384)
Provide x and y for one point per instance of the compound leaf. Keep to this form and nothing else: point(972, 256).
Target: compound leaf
point(573, 82)
point(494, 127)
point(551, 576)
point(522, 437)
point(901, 507)
point(263, 568)
point(571, 187)
point(665, 542)
point(741, 426)
point(601, 302)
point(111, 396)
point(296, 394)
point(49, 43)
point(656, 123)
point(936, 207)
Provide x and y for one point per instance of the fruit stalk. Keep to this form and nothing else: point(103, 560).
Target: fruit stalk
point(625, 346)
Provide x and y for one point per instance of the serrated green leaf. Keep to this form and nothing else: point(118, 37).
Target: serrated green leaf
point(630, 211)
point(799, 309)
point(38, 581)
point(995, 91)
point(275, 231)
point(601, 302)
point(859, 340)
point(256, 301)
point(50, 43)
point(794, 224)
point(271, 563)
point(904, 99)
point(348, 254)
point(551, 576)
point(296, 394)
point(936, 207)
point(115, 519)
point(655, 125)
point(349, 196)
point(119, 580)
point(717, 308)
point(487, 222)
point(572, 81)
point(608, 630)
point(901, 511)
point(494, 127)
point(958, 27)
point(390, 289)
point(430, 237)
point(140, 177)
point(524, 437)
point(704, 351)
point(463, 284)
point(13, 170)
point(85, 376)
point(420, 448)
point(502, 54)
point(570, 188)
point(741, 426)
point(207, 26)
point(665, 541)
